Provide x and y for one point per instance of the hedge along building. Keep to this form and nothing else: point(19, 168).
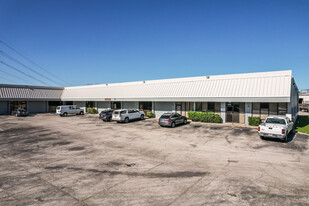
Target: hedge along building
point(234, 97)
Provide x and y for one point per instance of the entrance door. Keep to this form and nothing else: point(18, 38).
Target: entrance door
point(232, 112)
point(115, 105)
point(145, 106)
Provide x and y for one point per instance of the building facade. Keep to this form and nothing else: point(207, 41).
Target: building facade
point(234, 97)
point(35, 99)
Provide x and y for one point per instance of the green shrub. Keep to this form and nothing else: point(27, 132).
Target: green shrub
point(254, 121)
point(204, 117)
point(150, 114)
point(91, 110)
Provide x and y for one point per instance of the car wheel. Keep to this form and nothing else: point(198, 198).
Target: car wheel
point(286, 139)
point(110, 119)
point(81, 113)
point(16, 115)
point(173, 124)
point(142, 117)
point(126, 120)
point(65, 114)
point(185, 121)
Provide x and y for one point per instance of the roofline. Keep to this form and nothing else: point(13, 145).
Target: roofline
point(31, 86)
point(197, 78)
point(31, 99)
point(187, 99)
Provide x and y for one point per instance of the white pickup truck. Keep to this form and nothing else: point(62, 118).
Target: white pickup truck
point(278, 127)
point(125, 115)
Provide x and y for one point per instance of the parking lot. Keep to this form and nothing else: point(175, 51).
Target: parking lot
point(80, 160)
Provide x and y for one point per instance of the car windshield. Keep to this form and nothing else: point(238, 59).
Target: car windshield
point(275, 121)
point(165, 116)
point(58, 108)
point(116, 112)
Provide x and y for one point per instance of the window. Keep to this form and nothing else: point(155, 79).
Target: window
point(275, 121)
point(90, 104)
point(198, 106)
point(282, 109)
point(300, 101)
point(145, 106)
point(264, 108)
point(211, 106)
point(115, 105)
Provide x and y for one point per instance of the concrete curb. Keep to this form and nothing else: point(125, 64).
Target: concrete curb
point(215, 124)
point(302, 133)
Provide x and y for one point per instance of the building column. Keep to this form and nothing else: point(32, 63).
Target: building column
point(248, 111)
point(194, 106)
point(223, 108)
point(153, 110)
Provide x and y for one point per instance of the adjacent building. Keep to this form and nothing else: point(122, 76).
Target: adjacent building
point(234, 97)
point(304, 102)
point(35, 99)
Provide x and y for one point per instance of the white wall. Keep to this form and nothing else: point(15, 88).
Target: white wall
point(293, 106)
point(129, 105)
point(103, 106)
point(223, 110)
point(163, 107)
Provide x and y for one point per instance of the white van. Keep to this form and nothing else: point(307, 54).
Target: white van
point(65, 110)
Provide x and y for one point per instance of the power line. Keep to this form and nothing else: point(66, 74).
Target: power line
point(7, 79)
point(19, 53)
point(22, 72)
point(15, 60)
point(14, 76)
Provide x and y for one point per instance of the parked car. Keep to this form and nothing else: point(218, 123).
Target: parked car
point(65, 110)
point(278, 127)
point(19, 112)
point(172, 119)
point(106, 115)
point(125, 115)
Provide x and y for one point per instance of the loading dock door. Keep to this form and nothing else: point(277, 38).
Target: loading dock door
point(37, 107)
point(4, 108)
point(232, 112)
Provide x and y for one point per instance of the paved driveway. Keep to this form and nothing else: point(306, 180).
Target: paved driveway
point(80, 160)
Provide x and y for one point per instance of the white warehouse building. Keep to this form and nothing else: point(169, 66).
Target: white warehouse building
point(234, 97)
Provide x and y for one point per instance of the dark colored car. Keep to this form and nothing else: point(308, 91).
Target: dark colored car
point(106, 115)
point(172, 119)
point(19, 112)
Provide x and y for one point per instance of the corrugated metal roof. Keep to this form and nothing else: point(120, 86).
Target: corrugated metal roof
point(20, 92)
point(268, 86)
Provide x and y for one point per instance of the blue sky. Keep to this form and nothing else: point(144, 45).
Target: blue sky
point(90, 42)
